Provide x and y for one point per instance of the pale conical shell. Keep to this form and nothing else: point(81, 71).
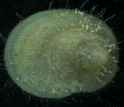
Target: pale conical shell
point(55, 53)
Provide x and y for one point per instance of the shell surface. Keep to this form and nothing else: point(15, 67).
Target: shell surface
point(56, 53)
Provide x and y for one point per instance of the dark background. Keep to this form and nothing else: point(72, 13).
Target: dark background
point(110, 96)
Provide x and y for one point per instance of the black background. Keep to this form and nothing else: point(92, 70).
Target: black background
point(110, 96)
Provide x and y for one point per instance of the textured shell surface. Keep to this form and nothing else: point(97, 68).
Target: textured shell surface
point(56, 53)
